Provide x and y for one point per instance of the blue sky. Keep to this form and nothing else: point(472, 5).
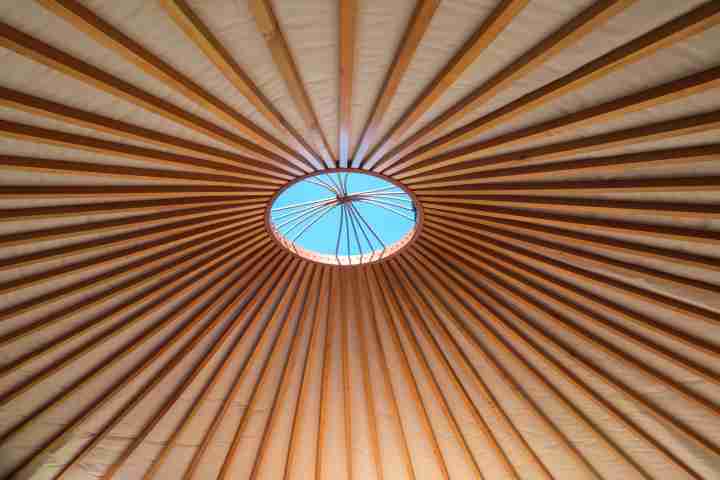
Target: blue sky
point(322, 236)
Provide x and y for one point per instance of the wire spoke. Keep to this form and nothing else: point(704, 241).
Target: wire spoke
point(347, 178)
point(383, 189)
point(398, 195)
point(357, 237)
point(306, 228)
point(324, 185)
point(372, 230)
point(336, 183)
point(339, 236)
point(303, 213)
point(302, 221)
point(362, 230)
point(387, 201)
point(347, 234)
point(298, 205)
point(389, 204)
point(374, 202)
point(305, 209)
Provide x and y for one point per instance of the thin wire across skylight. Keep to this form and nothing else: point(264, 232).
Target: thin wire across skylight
point(344, 218)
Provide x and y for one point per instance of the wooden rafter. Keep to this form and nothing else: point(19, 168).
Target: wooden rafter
point(598, 165)
point(63, 395)
point(206, 265)
point(313, 357)
point(141, 248)
point(491, 27)
point(37, 192)
point(484, 303)
point(262, 270)
point(56, 111)
point(23, 131)
point(34, 49)
point(83, 209)
point(566, 233)
point(560, 204)
point(703, 122)
point(286, 313)
point(563, 38)
point(560, 253)
point(347, 22)
point(430, 294)
point(104, 226)
point(669, 92)
point(556, 310)
point(657, 414)
point(148, 361)
point(269, 27)
point(418, 25)
point(678, 234)
point(457, 384)
point(519, 338)
point(31, 164)
point(58, 295)
point(360, 314)
point(249, 313)
point(392, 311)
point(698, 20)
point(110, 37)
point(183, 15)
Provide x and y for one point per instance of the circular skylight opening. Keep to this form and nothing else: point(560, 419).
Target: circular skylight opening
point(344, 217)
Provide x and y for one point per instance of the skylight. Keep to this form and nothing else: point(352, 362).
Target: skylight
point(344, 218)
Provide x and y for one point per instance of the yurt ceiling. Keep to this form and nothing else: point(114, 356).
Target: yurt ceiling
point(556, 314)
